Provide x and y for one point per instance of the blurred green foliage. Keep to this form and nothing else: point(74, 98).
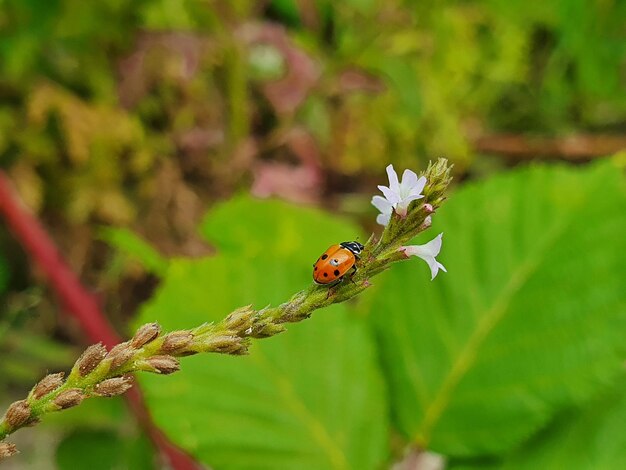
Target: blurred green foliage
point(31, 353)
point(96, 97)
point(133, 248)
point(100, 434)
point(103, 450)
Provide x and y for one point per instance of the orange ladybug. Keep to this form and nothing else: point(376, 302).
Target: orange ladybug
point(336, 262)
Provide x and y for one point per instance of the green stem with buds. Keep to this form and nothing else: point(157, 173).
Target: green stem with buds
point(101, 373)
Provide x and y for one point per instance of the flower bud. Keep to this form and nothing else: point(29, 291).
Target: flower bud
point(240, 319)
point(438, 176)
point(7, 450)
point(69, 398)
point(32, 422)
point(48, 384)
point(227, 344)
point(90, 359)
point(160, 365)
point(267, 330)
point(17, 414)
point(120, 354)
point(428, 221)
point(176, 341)
point(114, 386)
point(145, 334)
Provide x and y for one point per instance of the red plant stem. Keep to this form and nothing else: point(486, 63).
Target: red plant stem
point(78, 303)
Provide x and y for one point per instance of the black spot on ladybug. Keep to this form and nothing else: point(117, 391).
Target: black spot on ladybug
point(324, 256)
point(336, 272)
point(315, 268)
point(325, 274)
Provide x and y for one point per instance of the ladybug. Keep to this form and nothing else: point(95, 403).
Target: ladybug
point(336, 262)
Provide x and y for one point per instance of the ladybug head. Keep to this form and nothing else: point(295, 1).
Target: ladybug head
point(355, 247)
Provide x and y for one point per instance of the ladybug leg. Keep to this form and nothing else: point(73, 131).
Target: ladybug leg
point(331, 288)
point(351, 275)
point(329, 292)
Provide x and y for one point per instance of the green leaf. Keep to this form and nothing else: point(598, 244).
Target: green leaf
point(586, 439)
point(528, 319)
point(32, 356)
point(310, 398)
point(105, 450)
point(103, 434)
point(251, 227)
point(135, 247)
point(89, 449)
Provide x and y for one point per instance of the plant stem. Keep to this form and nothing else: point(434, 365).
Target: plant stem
point(98, 373)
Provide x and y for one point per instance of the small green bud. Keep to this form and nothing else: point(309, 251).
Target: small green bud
point(18, 414)
point(90, 359)
point(120, 354)
point(438, 178)
point(159, 365)
point(48, 384)
point(145, 334)
point(175, 342)
point(267, 330)
point(227, 344)
point(114, 386)
point(428, 221)
point(7, 450)
point(240, 320)
point(69, 398)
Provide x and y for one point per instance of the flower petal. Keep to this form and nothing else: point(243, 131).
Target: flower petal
point(383, 219)
point(432, 248)
point(392, 196)
point(434, 266)
point(418, 187)
point(382, 204)
point(427, 252)
point(408, 200)
point(394, 185)
point(409, 179)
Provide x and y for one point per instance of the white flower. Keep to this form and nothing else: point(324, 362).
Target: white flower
point(427, 252)
point(385, 207)
point(398, 195)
